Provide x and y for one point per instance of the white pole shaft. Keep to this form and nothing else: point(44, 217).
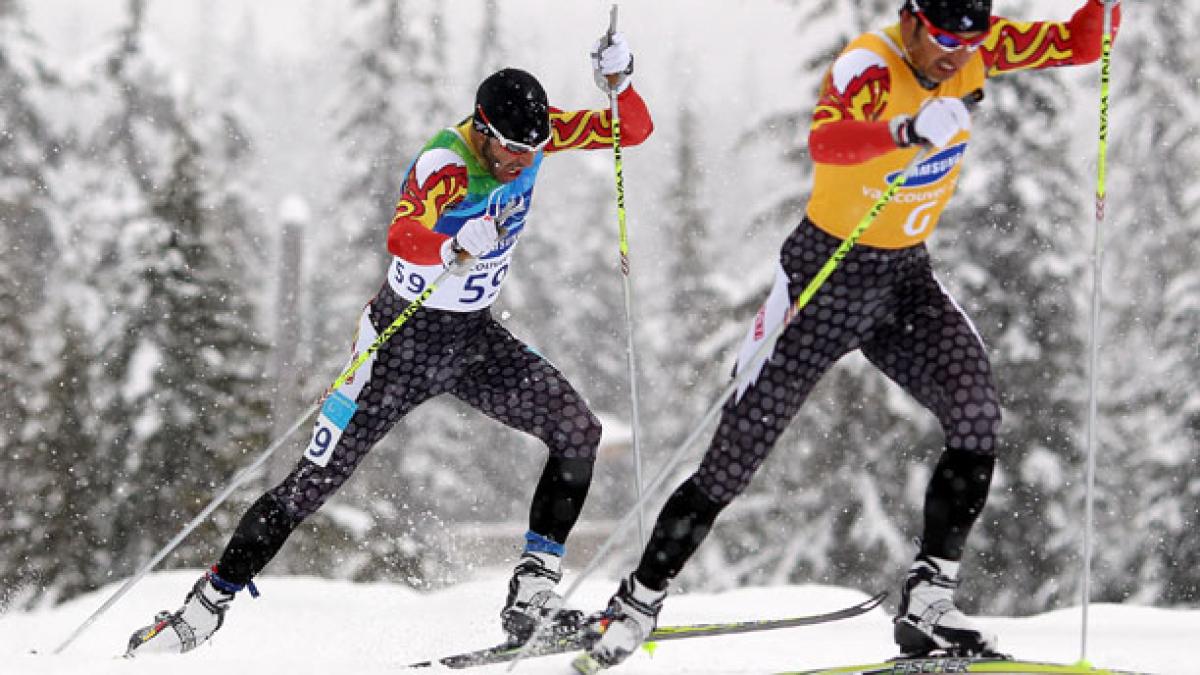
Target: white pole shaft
point(627, 285)
point(1094, 338)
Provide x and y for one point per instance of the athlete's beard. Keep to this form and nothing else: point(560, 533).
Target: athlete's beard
point(497, 168)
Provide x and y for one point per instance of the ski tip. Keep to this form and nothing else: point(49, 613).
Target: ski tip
point(585, 664)
point(875, 600)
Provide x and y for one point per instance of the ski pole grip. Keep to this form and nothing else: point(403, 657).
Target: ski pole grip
point(612, 29)
point(973, 99)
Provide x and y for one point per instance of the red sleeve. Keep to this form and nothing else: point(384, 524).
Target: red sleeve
point(428, 191)
point(409, 239)
point(636, 125)
point(850, 142)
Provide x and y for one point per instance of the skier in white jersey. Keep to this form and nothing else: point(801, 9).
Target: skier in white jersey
point(463, 207)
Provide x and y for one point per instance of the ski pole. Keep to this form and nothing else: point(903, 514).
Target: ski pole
point(1094, 338)
point(626, 283)
point(245, 474)
point(742, 377)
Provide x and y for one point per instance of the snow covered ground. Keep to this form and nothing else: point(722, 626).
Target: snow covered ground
point(304, 625)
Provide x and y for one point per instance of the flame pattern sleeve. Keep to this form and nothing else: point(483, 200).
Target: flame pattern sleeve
point(436, 181)
point(1013, 45)
point(592, 129)
point(848, 126)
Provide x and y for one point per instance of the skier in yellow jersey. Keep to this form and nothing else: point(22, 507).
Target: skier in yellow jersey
point(888, 94)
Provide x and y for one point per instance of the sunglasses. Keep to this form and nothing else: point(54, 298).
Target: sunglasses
point(947, 41)
point(515, 147)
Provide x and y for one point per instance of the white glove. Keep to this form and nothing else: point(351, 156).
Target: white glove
point(612, 59)
point(476, 237)
point(937, 122)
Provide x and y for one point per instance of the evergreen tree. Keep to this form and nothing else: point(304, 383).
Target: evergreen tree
point(28, 149)
point(377, 136)
point(60, 539)
point(175, 390)
point(1150, 418)
point(683, 366)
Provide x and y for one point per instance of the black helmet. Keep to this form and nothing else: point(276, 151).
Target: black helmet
point(511, 104)
point(956, 16)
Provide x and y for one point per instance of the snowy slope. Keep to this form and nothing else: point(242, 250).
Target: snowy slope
point(304, 625)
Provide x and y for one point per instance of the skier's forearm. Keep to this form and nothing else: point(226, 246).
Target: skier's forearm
point(409, 239)
point(850, 141)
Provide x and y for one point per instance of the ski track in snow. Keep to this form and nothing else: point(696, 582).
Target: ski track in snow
point(305, 625)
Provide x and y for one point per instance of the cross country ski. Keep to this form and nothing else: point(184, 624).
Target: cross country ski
point(961, 664)
point(570, 642)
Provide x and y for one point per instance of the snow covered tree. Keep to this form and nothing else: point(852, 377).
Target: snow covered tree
point(1150, 415)
point(28, 149)
point(681, 307)
point(60, 536)
point(171, 396)
point(378, 133)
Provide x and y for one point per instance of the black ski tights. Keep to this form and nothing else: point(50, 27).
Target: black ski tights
point(683, 523)
point(559, 497)
point(259, 536)
point(957, 492)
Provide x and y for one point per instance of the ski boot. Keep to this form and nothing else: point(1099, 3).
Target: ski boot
point(928, 620)
point(531, 601)
point(202, 614)
point(612, 635)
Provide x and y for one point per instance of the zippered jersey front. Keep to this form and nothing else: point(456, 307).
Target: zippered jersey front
point(508, 203)
point(842, 193)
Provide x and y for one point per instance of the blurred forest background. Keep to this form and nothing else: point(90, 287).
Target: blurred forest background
point(193, 203)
